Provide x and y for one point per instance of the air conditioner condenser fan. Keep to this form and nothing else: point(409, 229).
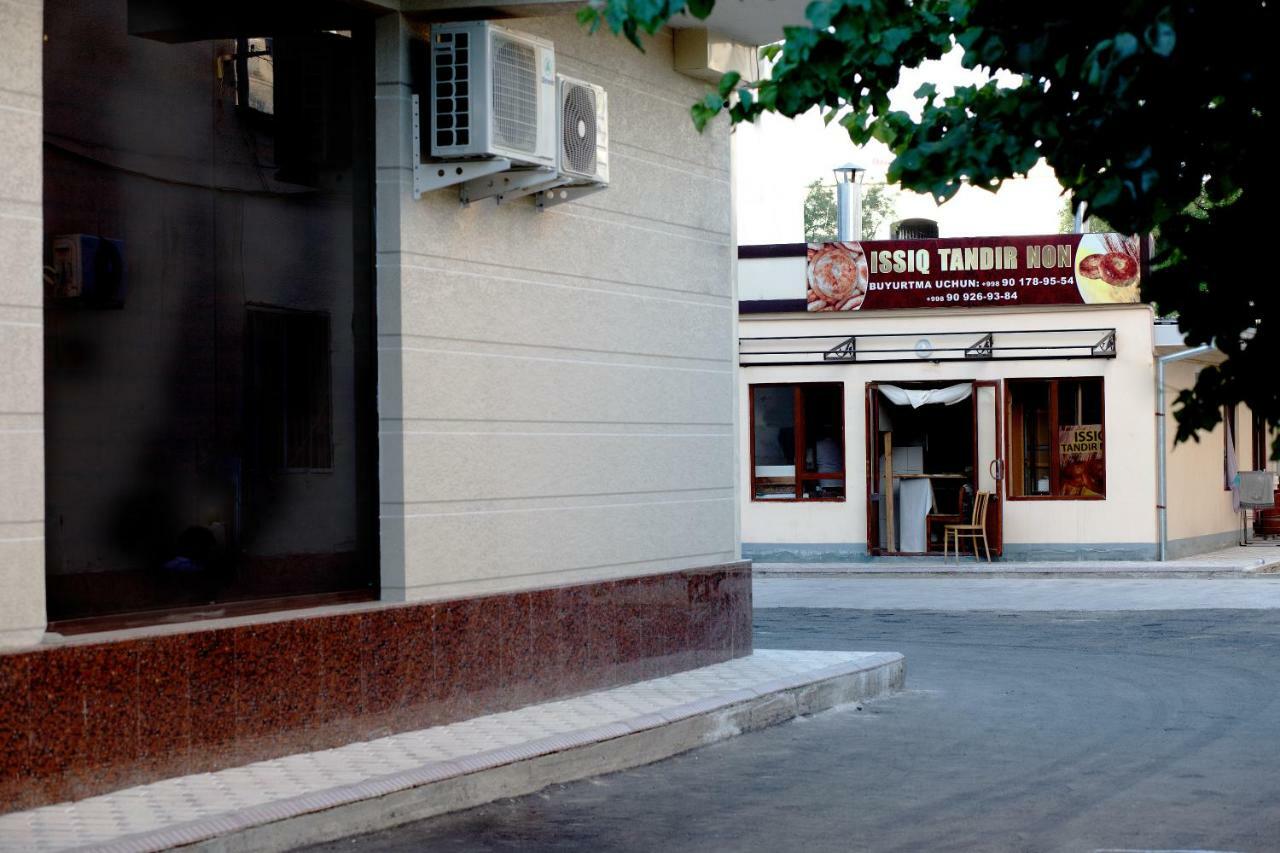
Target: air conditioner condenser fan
point(578, 129)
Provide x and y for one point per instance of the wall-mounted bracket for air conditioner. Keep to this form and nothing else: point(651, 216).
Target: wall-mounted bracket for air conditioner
point(506, 186)
point(560, 195)
point(437, 176)
point(446, 173)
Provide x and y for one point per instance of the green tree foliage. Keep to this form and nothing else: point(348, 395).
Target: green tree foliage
point(820, 221)
point(1151, 111)
point(879, 204)
point(819, 213)
point(1067, 219)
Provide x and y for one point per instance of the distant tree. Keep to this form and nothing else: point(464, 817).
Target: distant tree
point(819, 213)
point(1067, 219)
point(1153, 112)
point(878, 206)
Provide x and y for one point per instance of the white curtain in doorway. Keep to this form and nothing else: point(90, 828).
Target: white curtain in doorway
point(917, 397)
point(915, 502)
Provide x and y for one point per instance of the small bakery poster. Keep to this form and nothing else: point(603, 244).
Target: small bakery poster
point(1082, 469)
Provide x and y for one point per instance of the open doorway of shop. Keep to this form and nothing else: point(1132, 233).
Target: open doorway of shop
point(924, 460)
point(209, 373)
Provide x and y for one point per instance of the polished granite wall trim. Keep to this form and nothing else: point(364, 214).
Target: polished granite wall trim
point(90, 717)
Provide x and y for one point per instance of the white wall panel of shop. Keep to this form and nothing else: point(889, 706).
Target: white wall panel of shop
point(22, 605)
point(556, 389)
point(1126, 517)
point(1201, 516)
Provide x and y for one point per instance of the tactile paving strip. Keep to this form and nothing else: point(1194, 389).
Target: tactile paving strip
point(187, 809)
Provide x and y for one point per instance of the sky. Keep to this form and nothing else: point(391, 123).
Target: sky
point(776, 159)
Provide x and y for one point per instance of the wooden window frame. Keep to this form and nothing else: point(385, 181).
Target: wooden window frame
point(1229, 421)
point(1259, 446)
point(1014, 421)
point(798, 428)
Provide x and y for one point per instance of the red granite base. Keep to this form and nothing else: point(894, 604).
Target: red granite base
point(90, 717)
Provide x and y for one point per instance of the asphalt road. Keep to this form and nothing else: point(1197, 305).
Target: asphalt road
point(1074, 731)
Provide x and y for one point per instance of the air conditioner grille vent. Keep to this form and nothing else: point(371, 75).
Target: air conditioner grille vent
point(452, 94)
point(578, 129)
point(515, 95)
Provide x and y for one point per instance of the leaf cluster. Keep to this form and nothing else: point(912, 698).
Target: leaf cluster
point(1153, 112)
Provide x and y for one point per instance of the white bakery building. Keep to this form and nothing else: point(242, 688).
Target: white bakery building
point(883, 384)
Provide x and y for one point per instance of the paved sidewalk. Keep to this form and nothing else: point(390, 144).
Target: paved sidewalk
point(280, 804)
point(1260, 592)
point(1237, 562)
point(1019, 733)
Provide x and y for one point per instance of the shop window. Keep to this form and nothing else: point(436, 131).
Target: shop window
point(1056, 437)
point(225, 171)
point(797, 442)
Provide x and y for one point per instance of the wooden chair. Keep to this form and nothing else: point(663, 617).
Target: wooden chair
point(975, 530)
point(935, 518)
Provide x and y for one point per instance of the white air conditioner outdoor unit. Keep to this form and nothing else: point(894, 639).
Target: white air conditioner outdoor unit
point(582, 154)
point(583, 127)
point(493, 95)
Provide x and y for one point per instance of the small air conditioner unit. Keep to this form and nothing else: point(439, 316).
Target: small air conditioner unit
point(493, 95)
point(582, 154)
point(583, 129)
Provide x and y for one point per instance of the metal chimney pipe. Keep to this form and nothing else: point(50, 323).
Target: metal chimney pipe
point(849, 202)
point(1078, 221)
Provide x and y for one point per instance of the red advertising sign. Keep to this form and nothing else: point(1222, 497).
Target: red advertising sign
point(1083, 466)
point(1059, 269)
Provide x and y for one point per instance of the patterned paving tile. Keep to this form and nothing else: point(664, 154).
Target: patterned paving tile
point(149, 808)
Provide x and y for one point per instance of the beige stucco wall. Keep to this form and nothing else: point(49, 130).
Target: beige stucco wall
point(1125, 518)
point(22, 612)
point(1199, 505)
point(556, 389)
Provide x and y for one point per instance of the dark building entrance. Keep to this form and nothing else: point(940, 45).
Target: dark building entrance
point(209, 332)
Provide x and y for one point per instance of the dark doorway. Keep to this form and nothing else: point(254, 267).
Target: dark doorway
point(921, 466)
point(209, 331)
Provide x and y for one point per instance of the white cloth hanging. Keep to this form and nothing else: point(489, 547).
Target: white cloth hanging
point(915, 502)
point(917, 397)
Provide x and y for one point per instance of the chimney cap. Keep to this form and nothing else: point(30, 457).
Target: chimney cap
point(849, 172)
point(914, 229)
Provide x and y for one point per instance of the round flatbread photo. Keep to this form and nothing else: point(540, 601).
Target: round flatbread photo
point(837, 277)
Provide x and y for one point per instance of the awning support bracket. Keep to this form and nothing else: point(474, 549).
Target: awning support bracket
point(984, 347)
point(846, 350)
point(1106, 346)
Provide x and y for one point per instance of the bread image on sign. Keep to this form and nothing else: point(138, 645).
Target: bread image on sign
point(836, 277)
point(1107, 268)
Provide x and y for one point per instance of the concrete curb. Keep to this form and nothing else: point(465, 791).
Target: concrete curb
point(1122, 571)
point(445, 786)
point(1196, 574)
